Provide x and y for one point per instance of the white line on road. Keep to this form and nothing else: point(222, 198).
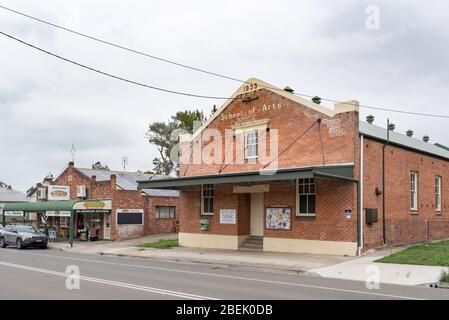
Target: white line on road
point(109, 282)
point(231, 277)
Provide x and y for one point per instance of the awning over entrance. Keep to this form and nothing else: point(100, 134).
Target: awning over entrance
point(40, 206)
point(339, 172)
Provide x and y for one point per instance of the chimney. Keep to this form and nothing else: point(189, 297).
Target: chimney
point(113, 181)
point(409, 133)
point(426, 138)
point(93, 179)
point(289, 90)
point(370, 119)
point(391, 126)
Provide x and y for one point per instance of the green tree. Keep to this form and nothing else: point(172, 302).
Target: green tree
point(164, 135)
point(98, 166)
point(3, 185)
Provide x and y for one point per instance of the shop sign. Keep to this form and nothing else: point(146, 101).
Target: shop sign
point(93, 205)
point(228, 216)
point(58, 213)
point(58, 193)
point(13, 213)
point(279, 219)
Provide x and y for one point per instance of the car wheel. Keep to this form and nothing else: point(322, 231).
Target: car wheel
point(2, 243)
point(20, 244)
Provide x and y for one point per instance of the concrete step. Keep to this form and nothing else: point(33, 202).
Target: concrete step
point(252, 244)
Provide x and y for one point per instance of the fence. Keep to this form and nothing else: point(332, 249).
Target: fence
point(416, 230)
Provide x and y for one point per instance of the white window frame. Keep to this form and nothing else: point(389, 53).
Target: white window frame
point(413, 190)
point(255, 135)
point(298, 213)
point(438, 204)
point(209, 187)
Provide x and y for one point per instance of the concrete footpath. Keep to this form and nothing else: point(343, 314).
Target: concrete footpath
point(337, 267)
point(364, 268)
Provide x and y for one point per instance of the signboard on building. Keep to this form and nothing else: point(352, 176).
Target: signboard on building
point(93, 205)
point(228, 216)
point(129, 216)
point(58, 193)
point(13, 213)
point(279, 218)
point(58, 213)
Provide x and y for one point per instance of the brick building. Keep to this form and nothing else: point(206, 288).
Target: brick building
point(111, 204)
point(274, 171)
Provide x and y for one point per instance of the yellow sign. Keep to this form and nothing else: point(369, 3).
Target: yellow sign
point(94, 204)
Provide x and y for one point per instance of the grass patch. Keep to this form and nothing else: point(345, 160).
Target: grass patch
point(433, 254)
point(444, 277)
point(161, 244)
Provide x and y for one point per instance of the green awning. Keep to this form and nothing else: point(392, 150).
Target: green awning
point(40, 206)
point(338, 172)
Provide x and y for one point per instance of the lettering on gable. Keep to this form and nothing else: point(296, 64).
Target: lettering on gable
point(250, 113)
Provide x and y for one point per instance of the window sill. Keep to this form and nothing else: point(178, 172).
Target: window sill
point(305, 215)
point(207, 214)
point(414, 213)
point(439, 213)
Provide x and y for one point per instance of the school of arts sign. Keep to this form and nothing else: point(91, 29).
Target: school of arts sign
point(251, 112)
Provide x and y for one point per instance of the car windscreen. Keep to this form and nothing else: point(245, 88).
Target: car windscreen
point(26, 229)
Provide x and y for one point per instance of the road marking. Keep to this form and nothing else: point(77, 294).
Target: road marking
point(229, 277)
point(109, 282)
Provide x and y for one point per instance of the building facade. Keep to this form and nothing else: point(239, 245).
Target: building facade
point(109, 204)
point(273, 171)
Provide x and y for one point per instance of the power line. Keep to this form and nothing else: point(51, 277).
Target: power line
point(120, 46)
point(111, 75)
point(206, 71)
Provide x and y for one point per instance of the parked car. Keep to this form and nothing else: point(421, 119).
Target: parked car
point(22, 236)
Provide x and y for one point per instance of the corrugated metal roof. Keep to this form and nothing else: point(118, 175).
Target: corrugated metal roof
point(402, 140)
point(12, 196)
point(129, 180)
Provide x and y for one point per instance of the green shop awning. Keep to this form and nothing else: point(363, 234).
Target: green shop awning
point(337, 172)
point(40, 206)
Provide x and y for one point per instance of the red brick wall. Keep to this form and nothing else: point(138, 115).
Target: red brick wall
point(403, 225)
point(338, 134)
point(333, 198)
point(121, 199)
point(157, 226)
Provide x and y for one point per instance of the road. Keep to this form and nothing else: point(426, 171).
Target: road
point(42, 274)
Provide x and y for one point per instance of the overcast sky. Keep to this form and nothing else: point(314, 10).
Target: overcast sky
point(315, 47)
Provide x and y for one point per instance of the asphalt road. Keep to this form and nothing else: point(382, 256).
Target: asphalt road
point(42, 274)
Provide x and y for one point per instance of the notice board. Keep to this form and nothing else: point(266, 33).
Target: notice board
point(279, 218)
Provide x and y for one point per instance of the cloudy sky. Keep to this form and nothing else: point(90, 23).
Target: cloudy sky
point(316, 47)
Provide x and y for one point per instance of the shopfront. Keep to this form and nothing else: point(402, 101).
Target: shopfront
point(92, 220)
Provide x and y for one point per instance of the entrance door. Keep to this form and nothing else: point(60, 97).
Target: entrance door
point(257, 216)
point(107, 227)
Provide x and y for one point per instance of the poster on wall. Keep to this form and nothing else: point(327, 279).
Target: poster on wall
point(58, 193)
point(279, 219)
point(228, 216)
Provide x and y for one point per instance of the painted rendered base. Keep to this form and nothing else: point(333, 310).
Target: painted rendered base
point(310, 246)
point(213, 241)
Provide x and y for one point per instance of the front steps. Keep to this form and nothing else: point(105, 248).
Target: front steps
point(253, 243)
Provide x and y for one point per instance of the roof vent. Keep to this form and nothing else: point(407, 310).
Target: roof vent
point(370, 119)
point(288, 89)
point(316, 100)
point(426, 138)
point(391, 126)
point(409, 133)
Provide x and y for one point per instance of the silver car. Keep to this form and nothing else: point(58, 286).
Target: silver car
point(22, 236)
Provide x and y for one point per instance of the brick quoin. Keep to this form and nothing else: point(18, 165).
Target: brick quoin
point(121, 199)
point(336, 140)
